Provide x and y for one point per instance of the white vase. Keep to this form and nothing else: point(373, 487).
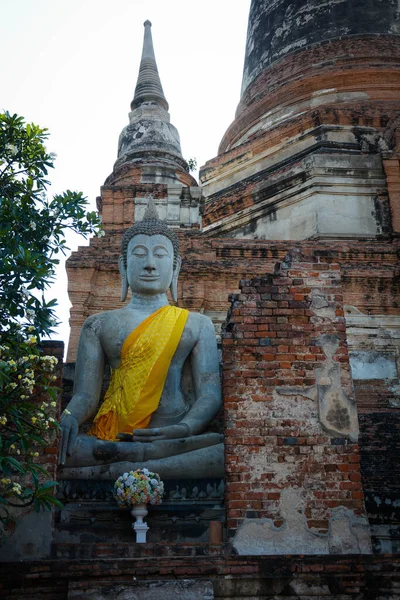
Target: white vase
point(139, 511)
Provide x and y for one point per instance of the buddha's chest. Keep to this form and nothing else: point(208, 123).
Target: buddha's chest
point(115, 336)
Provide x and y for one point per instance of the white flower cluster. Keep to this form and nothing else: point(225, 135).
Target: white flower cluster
point(13, 486)
point(17, 489)
point(44, 421)
point(137, 487)
point(24, 371)
point(12, 149)
point(26, 376)
point(49, 362)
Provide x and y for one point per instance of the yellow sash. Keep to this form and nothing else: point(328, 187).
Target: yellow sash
point(137, 384)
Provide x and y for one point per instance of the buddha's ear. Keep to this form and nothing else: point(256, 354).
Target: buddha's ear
point(174, 282)
point(122, 270)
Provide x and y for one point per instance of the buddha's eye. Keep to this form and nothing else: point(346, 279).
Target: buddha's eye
point(160, 252)
point(139, 253)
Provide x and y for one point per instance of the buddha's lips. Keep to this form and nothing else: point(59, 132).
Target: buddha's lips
point(149, 278)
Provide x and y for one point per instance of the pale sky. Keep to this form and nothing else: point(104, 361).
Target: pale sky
point(72, 65)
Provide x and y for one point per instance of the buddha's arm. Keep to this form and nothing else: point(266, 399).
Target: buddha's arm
point(205, 369)
point(89, 373)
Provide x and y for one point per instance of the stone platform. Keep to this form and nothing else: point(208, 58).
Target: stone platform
point(233, 577)
point(186, 589)
point(91, 515)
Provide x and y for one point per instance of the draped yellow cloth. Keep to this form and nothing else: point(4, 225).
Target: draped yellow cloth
point(137, 383)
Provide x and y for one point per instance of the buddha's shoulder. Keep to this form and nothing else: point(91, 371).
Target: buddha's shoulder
point(100, 322)
point(200, 323)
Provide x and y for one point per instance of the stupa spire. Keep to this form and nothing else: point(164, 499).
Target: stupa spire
point(148, 86)
point(150, 138)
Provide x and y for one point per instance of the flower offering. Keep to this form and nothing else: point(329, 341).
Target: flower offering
point(138, 487)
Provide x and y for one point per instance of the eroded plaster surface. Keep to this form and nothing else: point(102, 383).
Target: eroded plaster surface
point(333, 391)
point(373, 365)
point(348, 533)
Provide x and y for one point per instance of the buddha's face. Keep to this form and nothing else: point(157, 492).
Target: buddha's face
point(150, 261)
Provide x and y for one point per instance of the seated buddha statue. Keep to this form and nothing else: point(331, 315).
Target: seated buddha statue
point(145, 419)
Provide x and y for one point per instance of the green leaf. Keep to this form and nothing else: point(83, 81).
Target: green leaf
point(35, 479)
point(48, 484)
point(15, 464)
point(56, 502)
point(38, 469)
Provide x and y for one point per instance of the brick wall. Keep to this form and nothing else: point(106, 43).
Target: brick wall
point(212, 268)
point(291, 423)
point(255, 578)
point(380, 463)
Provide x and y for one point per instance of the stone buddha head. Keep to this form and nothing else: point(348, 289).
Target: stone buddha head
point(150, 261)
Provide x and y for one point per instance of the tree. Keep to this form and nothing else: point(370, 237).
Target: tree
point(32, 230)
point(192, 164)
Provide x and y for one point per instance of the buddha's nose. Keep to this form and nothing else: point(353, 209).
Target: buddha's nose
point(150, 265)
point(149, 268)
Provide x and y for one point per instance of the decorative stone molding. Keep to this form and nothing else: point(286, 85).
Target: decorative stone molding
point(183, 206)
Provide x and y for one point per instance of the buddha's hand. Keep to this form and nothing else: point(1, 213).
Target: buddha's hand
point(69, 431)
point(171, 432)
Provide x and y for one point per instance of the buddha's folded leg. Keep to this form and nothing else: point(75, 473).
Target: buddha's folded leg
point(197, 464)
point(162, 449)
point(90, 451)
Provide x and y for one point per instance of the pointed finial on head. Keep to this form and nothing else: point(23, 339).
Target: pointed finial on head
point(147, 22)
point(151, 213)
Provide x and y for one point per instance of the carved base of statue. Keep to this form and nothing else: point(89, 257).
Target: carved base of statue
point(90, 515)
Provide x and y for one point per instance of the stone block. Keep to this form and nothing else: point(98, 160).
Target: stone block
point(373, 365)
point(185, 589)
point(31, 539)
